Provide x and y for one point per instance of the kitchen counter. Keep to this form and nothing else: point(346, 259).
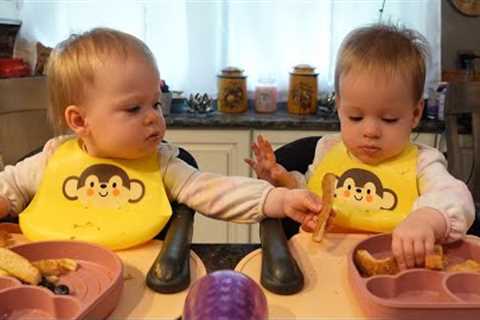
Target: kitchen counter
point(324, 120)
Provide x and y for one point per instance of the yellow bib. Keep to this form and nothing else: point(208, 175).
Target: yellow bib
point(114, 203)
point(369, 198)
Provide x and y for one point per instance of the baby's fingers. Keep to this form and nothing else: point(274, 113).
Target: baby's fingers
point(419, 253)
point(397, 250)
point(251, 163)
point(312, 203)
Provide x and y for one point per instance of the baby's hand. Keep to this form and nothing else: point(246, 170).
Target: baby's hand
point(415, 237)
point(300, 205)
point(265, 164)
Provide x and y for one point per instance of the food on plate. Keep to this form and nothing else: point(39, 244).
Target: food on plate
point(436, 261)
point(19, 267)
point(371, 266)
point(468, 265)
point(324, 217)
point(55, 267)
point(4, 273)
point(5, 239)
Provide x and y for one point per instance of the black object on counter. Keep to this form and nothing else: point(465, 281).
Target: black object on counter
point(280, 272)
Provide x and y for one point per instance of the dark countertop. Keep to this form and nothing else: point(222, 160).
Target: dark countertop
point(222, 256)
point(324, 120)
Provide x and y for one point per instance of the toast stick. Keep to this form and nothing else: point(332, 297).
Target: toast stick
point(328, 191)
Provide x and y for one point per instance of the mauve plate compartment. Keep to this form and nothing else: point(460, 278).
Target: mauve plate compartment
point(97, 279)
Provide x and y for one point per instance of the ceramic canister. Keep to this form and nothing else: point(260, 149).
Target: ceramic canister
point(302, 92)
point(232, 91)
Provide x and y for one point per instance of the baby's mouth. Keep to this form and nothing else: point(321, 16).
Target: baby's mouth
point(154, 136)
point(103, 195)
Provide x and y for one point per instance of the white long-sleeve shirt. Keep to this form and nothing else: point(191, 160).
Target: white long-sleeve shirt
point(237, 199)
point(437, 187)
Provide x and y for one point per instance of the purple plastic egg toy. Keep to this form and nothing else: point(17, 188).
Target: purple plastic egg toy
point(225, 294)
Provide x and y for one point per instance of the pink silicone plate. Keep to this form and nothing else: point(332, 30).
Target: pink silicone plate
point(419, 293)
point(95, 286)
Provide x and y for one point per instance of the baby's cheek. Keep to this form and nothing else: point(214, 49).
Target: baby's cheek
point(90, 192)
point(369, 198)
point(346, 194)
point(116, 192)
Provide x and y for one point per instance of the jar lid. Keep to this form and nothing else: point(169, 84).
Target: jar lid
point(305, 69)
point(232, 72)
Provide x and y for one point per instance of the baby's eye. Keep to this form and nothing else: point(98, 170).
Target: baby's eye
point(355, 119)
point(134, 109)
point(157, 105)
point(390, 120)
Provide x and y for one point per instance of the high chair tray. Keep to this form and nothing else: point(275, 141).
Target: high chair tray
point(326, 293)
point(120, 293)
point(418, 293)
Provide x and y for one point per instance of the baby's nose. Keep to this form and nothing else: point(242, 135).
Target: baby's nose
point(371, 130)
point(152, 117)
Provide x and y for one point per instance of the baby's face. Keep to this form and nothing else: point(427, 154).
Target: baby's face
point(122, 111)
point(377, 114)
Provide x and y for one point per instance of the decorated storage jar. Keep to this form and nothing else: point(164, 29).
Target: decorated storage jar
point(232, 91)
point(302, 91)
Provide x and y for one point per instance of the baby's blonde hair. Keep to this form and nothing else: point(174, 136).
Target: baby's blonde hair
point(74, 62)
point(385, 48)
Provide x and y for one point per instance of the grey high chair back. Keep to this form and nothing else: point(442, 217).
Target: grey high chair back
point(462, 103)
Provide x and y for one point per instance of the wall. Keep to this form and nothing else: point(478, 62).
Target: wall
point(8, 9)
point(459, 32)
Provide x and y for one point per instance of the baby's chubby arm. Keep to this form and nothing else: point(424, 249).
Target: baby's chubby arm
point(415, 237)
point(19, 182)
point(442, 213)
point(236, 199)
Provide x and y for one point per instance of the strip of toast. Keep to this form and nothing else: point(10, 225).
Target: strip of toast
point(437, 260)
point(328, 191)
point(19, 267)
point(371, 266)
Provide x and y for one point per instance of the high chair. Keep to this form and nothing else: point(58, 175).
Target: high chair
point(462, 103)
point(280, 272)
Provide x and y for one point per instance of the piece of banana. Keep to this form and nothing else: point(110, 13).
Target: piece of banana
point(19, 267)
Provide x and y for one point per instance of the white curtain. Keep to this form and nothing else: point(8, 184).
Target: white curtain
point(194, 40)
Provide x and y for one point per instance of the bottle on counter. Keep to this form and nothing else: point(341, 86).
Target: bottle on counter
point(302, 91)
point(266, 95)
point(232, 91)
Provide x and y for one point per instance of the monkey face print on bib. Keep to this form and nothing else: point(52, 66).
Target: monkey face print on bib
point(114, 203)
point(369, 198)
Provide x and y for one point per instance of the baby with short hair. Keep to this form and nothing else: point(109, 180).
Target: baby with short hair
point(385, 183)
point(104, 89)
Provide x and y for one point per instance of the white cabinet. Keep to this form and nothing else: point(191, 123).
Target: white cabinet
point(219, 151)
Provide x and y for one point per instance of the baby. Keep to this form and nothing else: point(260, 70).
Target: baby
point(384, 182)
point(104, 89)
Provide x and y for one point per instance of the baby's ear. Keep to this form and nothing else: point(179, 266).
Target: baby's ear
point(417, 113)
point(75, 119)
